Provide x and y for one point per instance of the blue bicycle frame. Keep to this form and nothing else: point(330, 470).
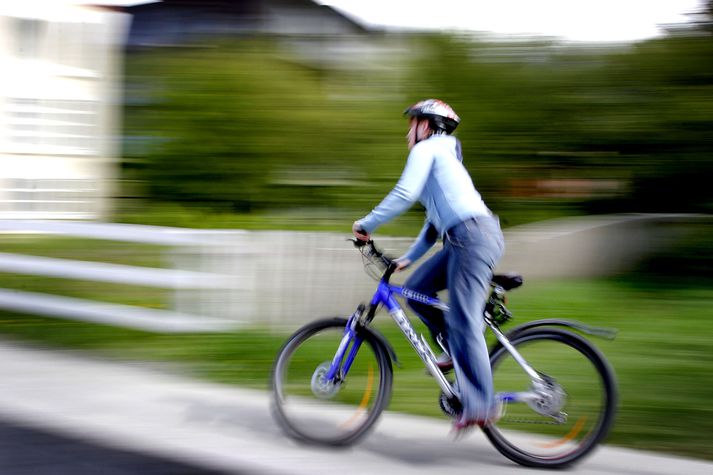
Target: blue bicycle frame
point(385, 295)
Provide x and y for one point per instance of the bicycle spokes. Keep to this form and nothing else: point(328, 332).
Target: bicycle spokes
point(333, 410)
point(364, 403)
point(569, 437)
point(560, 416)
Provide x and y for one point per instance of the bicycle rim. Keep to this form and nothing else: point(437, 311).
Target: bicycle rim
point(575, 414)
point(316, 410)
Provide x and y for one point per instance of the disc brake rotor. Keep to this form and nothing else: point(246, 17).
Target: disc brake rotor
point(322, 388)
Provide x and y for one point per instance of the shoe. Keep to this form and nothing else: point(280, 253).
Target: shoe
point(463, 426)
point(498, 413)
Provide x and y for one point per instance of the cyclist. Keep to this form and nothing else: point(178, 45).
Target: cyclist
point(472, 244)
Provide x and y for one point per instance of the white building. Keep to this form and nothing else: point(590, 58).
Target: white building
point(59, 107)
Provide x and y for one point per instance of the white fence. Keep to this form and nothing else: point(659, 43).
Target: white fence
point(223, 279)
point(189, 247)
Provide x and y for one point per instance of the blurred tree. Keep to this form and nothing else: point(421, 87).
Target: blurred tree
point(241, 128)
point(536, 112)
point(547, 129)
point(704, 18)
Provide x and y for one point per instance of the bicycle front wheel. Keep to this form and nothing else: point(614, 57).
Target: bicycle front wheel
point(556, 423)
point(337, 412)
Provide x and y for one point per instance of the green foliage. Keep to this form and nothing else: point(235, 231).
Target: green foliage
point(687, 263)
point(547, 130)
point(240, 128)
point(636, 116)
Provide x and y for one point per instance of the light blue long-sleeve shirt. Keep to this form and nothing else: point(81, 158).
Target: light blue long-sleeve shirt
point(435, 176)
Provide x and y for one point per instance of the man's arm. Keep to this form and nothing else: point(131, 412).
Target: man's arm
point(425, 240)
point(405, 193)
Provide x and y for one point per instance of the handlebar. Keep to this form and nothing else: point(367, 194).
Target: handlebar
point(369, 250)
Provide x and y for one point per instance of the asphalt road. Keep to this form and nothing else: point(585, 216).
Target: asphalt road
point(32, 451)
point(67, 413)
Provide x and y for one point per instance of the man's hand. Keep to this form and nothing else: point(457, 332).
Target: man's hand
point(402, 264)
point(359, 232)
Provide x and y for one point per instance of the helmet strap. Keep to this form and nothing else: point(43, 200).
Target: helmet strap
point(418, 123)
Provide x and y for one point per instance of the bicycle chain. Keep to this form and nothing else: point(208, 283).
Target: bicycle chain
point(530, 421)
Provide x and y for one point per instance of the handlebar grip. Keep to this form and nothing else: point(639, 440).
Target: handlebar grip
point(361, 231)
point(359, 243)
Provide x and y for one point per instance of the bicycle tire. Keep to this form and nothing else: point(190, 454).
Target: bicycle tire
point(588, 399)
point(335, 419)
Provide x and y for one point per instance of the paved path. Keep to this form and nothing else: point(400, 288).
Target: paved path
point(32, 451)
point(129, 408)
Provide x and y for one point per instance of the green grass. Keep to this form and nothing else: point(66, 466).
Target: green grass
point(511, 212)
point(115, 252)
point(662, 355)
point(112, 252)
point(310, 219)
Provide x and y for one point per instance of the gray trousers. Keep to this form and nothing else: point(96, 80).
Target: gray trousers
point(464, 266)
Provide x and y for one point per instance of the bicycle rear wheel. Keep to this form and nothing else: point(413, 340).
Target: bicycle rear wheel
point(339, 412)
point(571, 414)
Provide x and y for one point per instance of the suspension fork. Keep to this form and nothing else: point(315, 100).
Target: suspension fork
point(337, 372)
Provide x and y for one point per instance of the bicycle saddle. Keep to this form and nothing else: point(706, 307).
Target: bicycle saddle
point(508, 281)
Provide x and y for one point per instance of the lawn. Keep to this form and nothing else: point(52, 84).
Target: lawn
point(662, 354)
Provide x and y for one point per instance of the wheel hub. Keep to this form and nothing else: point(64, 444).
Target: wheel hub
point(551, 398)
point(321, 387)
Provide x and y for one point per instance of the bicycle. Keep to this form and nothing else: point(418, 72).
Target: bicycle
point(333, 378)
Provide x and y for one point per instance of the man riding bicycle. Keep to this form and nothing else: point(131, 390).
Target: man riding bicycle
point(435, 176)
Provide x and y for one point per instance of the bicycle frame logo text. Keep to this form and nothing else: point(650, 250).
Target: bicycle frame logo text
point(412, 295)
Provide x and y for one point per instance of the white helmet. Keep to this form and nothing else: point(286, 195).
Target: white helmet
point(439, 114)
